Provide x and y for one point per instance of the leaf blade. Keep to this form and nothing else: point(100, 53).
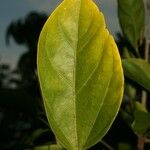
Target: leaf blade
point(132, 24)
point(141, 124)
point(138, 70)
point(79, 64)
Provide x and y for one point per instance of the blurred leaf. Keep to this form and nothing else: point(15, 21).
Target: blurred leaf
point(130, 90)
point(131, 16)
point(140, 107)
point(141, 124)
point(138, 70)
point(35, 135)
point(80, 74)
point(127, 117)
point(125, 146)
point(126, 53)
point(49, 147)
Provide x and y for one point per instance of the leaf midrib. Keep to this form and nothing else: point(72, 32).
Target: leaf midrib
point(74, 78)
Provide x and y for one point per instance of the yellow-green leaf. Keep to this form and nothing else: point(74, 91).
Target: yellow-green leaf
point(80, 74)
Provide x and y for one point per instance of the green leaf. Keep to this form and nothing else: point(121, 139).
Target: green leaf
point(138, 70)
point(80, 74)
point(125, 146)
point(131, 16)
point(141, 124)
point(48, 147)
point(34, 136)
point(140, 107)
point(130, 91)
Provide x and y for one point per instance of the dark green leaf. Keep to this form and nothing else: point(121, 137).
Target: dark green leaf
point(131, 17)
point(141, 124)
point(125, 146)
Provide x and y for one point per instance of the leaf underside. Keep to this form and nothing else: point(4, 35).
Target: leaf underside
point(80, 74)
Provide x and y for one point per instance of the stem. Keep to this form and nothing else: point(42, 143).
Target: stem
point(147, 49)
point(106, 145)
point(141, 142)
point(144, 98)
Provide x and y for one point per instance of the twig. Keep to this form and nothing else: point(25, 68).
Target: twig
point(141, 142)
point(147, 49)
point(106, 145)
point(144, 98)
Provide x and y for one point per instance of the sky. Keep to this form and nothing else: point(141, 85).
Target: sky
point(11, 10)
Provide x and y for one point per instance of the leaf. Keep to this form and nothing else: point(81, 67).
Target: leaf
point(125, 146)
point(34, 136)
point(131, 17)
point(138, 70)
point(130, 92)
point(48, 147)
point(140, 107)
point(127, 117)
point(141, 124)
point(80, 74)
